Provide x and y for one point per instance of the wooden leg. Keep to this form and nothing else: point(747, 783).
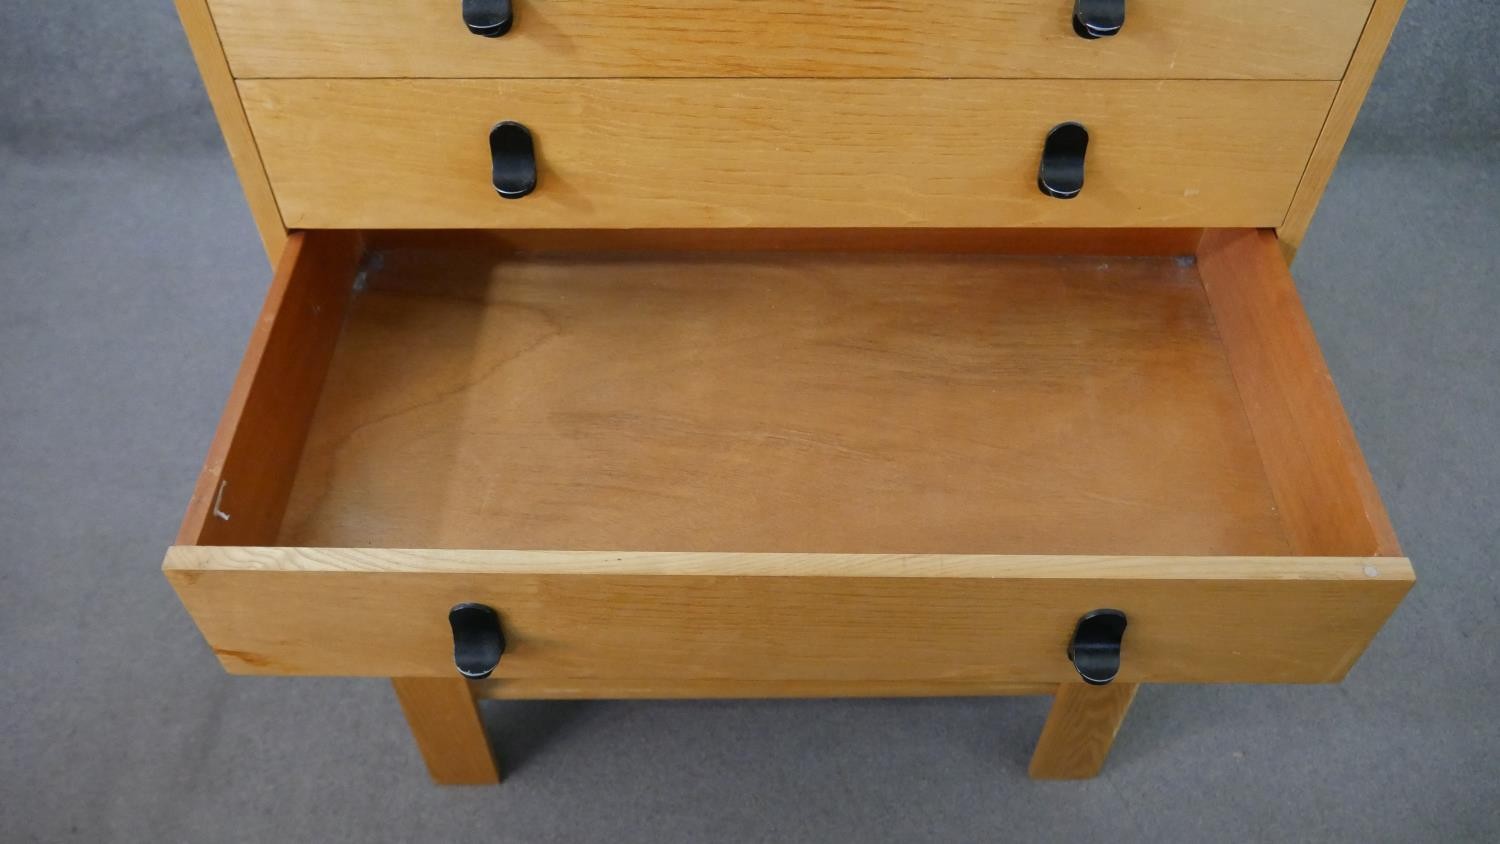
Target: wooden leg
point(444, 719)
point(1080, 729)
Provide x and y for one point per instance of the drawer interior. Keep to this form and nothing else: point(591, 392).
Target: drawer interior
point(633, 392)
point(781, 401)
point(770, 459)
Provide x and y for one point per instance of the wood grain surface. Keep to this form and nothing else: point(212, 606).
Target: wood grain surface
point(1080, 730)
point(1029, 438)
point(502, 243)
point(624, 688)
point(1324, 491)
point(782, 402)
point(1186, 39)
point(660, 618)
point(242, 490)
point(444, 719)
point(666, 153)
point(208, 52)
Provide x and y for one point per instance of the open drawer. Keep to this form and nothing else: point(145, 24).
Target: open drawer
point(786, 463)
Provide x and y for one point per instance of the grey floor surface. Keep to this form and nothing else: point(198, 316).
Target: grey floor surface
point(127, 290)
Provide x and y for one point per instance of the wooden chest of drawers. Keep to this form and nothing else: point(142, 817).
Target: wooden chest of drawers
point(695, 349)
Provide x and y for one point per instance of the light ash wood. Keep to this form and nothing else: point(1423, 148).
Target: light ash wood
point(372, 561)
point(925, 621)
point(500, 243)
point(1323, 489)
point(611, 688)
point(782, 402)
point(1351, 95)
point(444, 720)
point(242, 490)
point(1080, 730)
point(1186, 39)
point(798, 153)
point(198, 24)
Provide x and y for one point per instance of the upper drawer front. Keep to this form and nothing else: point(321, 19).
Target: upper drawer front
point(782, 153)
point(1181, 39)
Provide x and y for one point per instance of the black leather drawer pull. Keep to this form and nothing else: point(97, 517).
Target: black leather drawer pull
point(1098, 18)
point(490, 18)
point(1061, 174)
point(1095, 649)
point(478, 642)
point(512, 160)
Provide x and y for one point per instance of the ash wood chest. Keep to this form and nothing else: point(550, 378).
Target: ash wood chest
point(703, 348)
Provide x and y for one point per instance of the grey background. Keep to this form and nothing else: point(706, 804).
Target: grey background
point(129, 277)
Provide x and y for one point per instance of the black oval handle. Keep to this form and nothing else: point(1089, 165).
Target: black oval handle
point(512, 159)
point(490, 18)
point(478, 642)
point(1061, 173)
point(1095, 649)
point(1098, 18)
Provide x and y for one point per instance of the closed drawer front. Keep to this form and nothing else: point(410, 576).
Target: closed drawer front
point(1183, 39)
point(875, 467)
point(788, 153)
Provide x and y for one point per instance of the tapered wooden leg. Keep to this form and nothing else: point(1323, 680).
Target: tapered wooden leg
point(1080, 729)
point(444, 719)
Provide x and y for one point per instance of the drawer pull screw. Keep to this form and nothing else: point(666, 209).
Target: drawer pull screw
point(1061, 174)
point(478, 642)
point(1095, 649)
point(1098, 18)
point(490, 18)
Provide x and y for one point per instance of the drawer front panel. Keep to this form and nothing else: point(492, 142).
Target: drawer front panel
point(660, 618)
point(783, 153)
point(1181, 39)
